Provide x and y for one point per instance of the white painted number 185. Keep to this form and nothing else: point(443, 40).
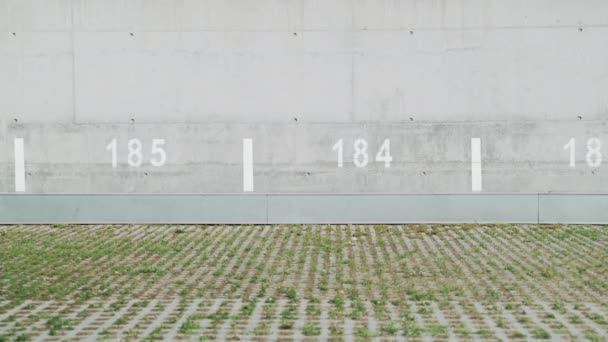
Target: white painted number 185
point(360, 155)
point(135, 158)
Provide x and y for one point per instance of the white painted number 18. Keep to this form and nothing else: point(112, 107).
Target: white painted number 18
point(593, 156)
point(360, 155)
point(135, 158)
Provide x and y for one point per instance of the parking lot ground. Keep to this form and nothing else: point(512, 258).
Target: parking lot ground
point(303, 282)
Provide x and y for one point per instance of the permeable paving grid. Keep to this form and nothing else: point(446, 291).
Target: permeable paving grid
point(303, 282)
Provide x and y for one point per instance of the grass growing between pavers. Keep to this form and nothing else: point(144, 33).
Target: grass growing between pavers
point(160, 282)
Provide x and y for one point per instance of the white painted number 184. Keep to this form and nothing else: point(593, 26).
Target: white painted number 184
point(360, 155)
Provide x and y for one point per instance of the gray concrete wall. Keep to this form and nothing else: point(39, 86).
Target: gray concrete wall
point(296, 76)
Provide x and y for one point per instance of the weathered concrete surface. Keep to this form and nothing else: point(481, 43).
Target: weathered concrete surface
point(296, 76)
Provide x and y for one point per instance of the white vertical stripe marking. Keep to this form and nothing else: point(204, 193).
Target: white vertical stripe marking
point(247, 165)
point(19, 165)
point(475, 164)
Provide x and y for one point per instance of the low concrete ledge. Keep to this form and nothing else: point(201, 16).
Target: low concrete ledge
point(303, 208)
point(409, 208)
point(568, 208)
point(131, 208)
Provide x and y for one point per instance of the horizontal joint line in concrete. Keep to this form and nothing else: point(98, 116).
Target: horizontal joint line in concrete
point(295, 29)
